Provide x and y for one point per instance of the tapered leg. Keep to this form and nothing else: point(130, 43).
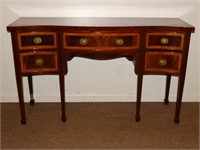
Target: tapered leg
point(62, 94)
point(181, 82)
point(21, 98)
point(139, 92)
point(167, 88)
point(30, 84)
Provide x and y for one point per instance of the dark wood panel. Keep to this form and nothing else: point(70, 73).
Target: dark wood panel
point(99, 22)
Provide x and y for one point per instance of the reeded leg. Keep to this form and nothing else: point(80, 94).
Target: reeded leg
point(181, 82)
point(62, 94)
point(167, 88)
point(139, 92)
point(30, 84)
point(21, 98)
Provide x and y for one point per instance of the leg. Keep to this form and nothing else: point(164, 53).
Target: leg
point(139, 92)
point(167, 88)
point(21, 98)
point(62, 94)
point(181, 82)
point(30, 83)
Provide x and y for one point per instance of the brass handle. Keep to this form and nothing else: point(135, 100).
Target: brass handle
point(39, 61)
point(162, 62)
point(37, 40)
point(83, 41)
point(164, 40)
point(119, 42)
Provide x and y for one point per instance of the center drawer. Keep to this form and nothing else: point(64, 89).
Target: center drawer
point(100, 40)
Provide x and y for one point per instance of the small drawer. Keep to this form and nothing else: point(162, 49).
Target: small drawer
point(171, 41)
point(100, 40)
point(37, 40)
point(162, 62)
point(38, 62)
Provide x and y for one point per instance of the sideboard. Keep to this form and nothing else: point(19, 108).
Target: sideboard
point(44, 45)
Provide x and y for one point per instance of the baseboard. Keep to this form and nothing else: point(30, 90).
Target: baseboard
point(98, 98)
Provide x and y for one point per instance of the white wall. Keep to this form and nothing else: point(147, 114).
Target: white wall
point(91, 80)
point(198, 39)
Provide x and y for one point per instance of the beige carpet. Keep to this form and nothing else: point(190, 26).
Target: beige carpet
point(100, 126)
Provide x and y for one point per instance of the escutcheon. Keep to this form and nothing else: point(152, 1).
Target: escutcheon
point(164, 40)
point(162, 62)
point(37, 40)
point(119, 42)
point(39, 61)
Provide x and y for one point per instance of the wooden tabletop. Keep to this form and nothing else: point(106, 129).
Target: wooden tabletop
point(99, 22)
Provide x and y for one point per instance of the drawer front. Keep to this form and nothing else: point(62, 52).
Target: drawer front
point(162, 62)
point(38, 62)
point(100, 40)
point(37, 40)
point(171, 41)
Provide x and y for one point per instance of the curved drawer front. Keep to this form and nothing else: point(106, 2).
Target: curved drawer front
point(37, 62)
point(37, 40)
point(162, 62)
point(100, 40)
point(171, 41)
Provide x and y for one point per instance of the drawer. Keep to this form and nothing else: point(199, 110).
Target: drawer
point(171, 41)
point(162, 62)
point(101, 40)
point(38, 62)
point(37, 40)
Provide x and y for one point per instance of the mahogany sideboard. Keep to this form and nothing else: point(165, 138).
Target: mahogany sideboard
point(156, 46)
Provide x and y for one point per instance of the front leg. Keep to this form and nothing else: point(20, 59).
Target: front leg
point(139, 92)
point(62, 94)
point(181, 82)
point(21, 98)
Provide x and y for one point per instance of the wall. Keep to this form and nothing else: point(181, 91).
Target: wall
point(91, 80)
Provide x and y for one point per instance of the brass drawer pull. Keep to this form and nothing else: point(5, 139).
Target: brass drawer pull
point(162, 62)
point(83, 41)
point(164, 40)
point(119, 42)
point(37, 40)
point(39, 61)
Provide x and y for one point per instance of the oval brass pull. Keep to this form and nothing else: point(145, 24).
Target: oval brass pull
point(83, 41)
point(39, 61)
point(164, 40)
point(162, 62)
point(37, 40)
point(119, 42)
